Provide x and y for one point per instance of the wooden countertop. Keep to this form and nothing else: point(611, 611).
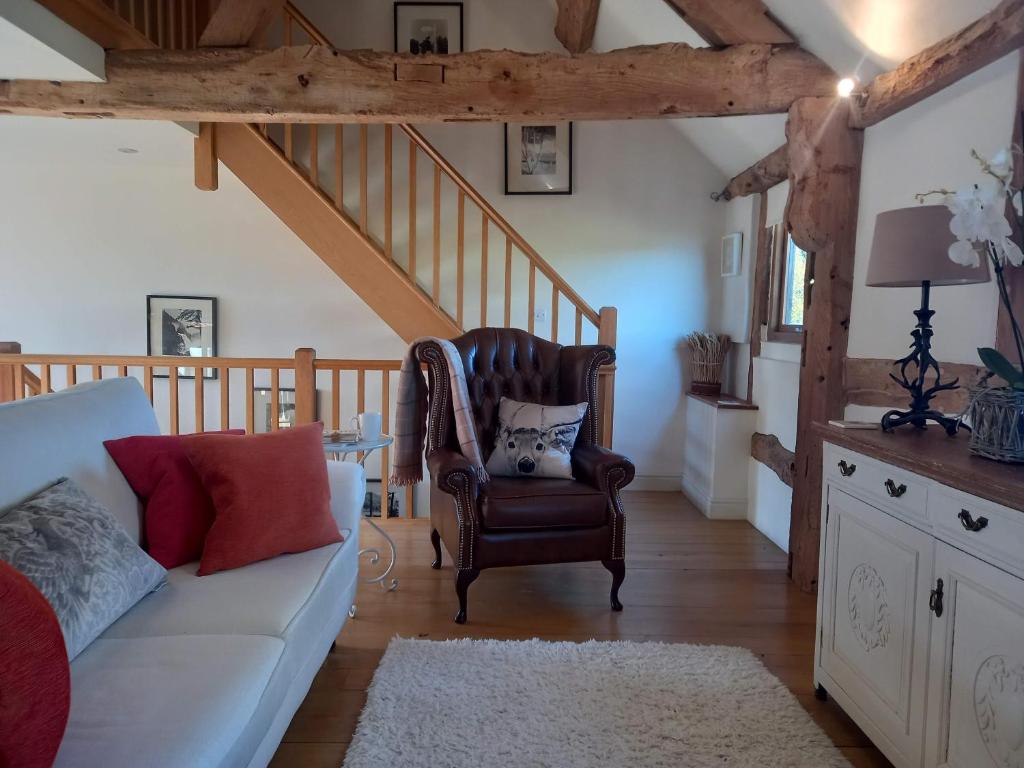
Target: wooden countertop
point(934, 454)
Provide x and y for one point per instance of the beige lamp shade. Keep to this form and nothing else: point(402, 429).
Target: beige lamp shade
point(911, 245)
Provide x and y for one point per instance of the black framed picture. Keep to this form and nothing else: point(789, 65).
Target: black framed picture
point(182, 326)
point(428, 28)
point(538, 158)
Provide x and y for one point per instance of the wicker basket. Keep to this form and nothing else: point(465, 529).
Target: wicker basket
point(997, 423)
point(705, 378)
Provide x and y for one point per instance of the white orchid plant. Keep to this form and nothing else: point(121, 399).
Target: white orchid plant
point(982, 226)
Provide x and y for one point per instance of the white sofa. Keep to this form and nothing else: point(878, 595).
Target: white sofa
point(205, 671)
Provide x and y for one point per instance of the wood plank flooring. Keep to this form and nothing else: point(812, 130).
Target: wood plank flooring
point(688, 580)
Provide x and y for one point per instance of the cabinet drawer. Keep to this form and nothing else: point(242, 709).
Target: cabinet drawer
point(989, 531)
point(888, 488)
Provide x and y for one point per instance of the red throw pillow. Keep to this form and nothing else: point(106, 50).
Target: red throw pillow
point(178, 510)
point(270, 494)
point(35, 677)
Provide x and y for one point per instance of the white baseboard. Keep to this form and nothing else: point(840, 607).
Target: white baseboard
point(665, 483)
point(715, 509)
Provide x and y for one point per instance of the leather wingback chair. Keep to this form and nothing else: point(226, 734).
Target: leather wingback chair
point(522, 521)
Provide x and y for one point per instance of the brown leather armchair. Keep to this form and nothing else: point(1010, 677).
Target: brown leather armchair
point(517, 521)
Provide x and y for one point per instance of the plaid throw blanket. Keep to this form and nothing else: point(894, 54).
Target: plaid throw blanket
point(411, 415)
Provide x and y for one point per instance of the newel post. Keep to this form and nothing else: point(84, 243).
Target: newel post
point(606, 334)
point(305, 385)
point(7, 371)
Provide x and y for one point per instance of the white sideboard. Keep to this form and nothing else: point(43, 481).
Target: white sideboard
point(718, 431)
point(920, 634)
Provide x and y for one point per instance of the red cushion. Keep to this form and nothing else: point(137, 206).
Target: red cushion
point(270, 494)
point(178, 510)
point(35, 678)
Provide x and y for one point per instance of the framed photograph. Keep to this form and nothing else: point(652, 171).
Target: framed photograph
point(182, 326)
point(428, 28)
point(732, 254)
point(538, 158)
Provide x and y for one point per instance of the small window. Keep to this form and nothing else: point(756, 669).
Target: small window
point(789, 279)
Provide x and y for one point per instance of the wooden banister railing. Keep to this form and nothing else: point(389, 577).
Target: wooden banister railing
point(167, 23)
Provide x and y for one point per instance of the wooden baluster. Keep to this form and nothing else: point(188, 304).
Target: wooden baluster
point(314, 155)
point(484, 242)
point(360, 398)
point(183, 41)
point(275, 393)
point(412, 211)
point(508, 281)
point(435, 292)
point(289, 141)
point(200, 398)
point(147, 381)
point(385, 454)
point(409, 498)
point(387, 191)
point(159, 25)
point(364, 212)
point(579, 326)
point(97, 373)
point(195, 23)
point(339, 167)
point(71, 372)
point(250, 400)
point(146, 25)
point(131, 12)
point(554, 313)
point(44, 379)
point(122, 371)
point(19, 381)
point(286, 19)
point(172, 397)
point(225, 397)
point(532, 293)
point(335, 399)
point(460, 266)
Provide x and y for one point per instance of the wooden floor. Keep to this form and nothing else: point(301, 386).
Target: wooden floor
point(688, 580)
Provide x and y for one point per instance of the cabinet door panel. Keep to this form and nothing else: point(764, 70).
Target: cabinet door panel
point(874, 641)
point(976, 703)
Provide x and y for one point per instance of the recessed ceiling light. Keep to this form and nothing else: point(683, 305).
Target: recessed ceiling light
point(128, 150)
point(845, 86)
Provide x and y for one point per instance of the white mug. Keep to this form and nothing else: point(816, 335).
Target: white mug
point(369, 425)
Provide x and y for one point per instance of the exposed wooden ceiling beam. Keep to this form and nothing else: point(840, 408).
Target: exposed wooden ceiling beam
point(239, 22)
point(575, 25)
point(761, 176)
point(731, 22)
point(989, 38)
point(319, 84)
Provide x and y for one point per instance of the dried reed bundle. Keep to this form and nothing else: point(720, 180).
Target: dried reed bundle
point(707, 356)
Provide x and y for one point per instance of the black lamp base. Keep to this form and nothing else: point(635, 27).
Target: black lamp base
point(920, 356)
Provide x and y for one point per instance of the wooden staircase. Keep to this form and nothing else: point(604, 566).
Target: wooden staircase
point(377, 203)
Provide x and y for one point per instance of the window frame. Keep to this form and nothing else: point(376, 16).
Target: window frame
point(777, 329)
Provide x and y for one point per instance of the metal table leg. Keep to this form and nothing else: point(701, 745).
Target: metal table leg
point(374, 554)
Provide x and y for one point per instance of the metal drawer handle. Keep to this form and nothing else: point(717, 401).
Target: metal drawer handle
point(969, 523)
point(935, 600)
point(895, 491)
point(846, 470)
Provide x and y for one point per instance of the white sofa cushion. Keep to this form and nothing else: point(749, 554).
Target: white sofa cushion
point(61, 435)
point(164, 702)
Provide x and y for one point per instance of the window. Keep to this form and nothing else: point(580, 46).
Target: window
point(788, 280)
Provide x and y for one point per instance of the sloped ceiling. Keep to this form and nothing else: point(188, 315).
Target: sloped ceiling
point(855, 37)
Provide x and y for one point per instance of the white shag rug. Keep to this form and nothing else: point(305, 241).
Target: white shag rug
point(537, 704)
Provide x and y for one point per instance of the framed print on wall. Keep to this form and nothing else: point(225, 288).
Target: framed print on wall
point(538, 158)
point(182, 326)
point(428, 28)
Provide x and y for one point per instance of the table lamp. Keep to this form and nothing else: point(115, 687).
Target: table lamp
point(911, 248)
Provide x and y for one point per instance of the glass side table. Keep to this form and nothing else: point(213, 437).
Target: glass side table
point(342, 450)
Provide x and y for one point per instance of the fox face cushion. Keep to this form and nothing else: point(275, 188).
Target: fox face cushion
point(535, 440)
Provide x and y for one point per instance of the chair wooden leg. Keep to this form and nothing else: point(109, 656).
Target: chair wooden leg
point(435, 539)
point(463, 579)
point(618, 571)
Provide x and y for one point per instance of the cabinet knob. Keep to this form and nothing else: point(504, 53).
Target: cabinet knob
point(846, 469)
point(895, 491)
point(935, 600)
point(969, 523)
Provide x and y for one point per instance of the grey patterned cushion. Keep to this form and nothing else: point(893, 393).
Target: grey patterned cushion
point(535, 440)
point(79, 557)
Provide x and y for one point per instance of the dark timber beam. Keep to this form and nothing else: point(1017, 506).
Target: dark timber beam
point(317, 84)
point(239, 22)
point(824, 173)
point(989, 38)
point(730, 22)
point(760, 177)
point(575, 25)
point(868, 383)
point(769, 451)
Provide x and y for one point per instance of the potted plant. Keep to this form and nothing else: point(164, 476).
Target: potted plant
point(982, 224)
point(707, 356)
